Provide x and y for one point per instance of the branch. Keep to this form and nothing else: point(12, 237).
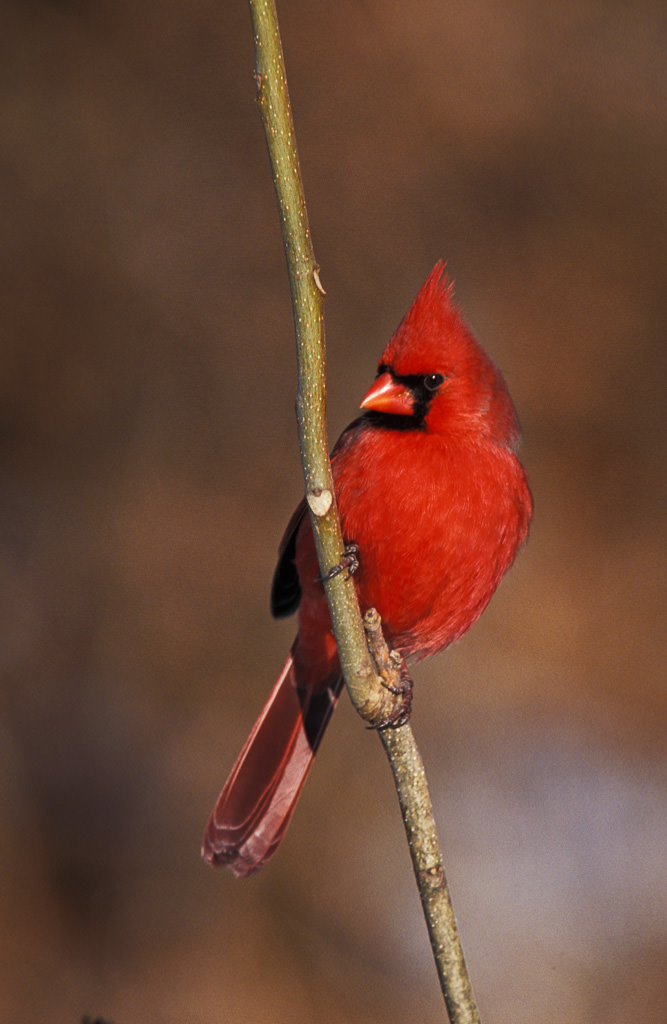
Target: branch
point(413, 795)
point(371, 693)
point(367, 694)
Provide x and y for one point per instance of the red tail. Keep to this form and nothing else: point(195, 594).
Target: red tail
point(259, 797)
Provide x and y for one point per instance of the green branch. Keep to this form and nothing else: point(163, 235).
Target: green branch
point(307, 304)
point(372, 698)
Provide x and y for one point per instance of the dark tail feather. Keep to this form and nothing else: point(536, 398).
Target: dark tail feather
point(254, 809)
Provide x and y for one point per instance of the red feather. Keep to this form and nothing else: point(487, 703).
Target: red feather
point(429, 487)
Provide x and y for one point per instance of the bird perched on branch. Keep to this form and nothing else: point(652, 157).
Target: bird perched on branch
point(430, 490)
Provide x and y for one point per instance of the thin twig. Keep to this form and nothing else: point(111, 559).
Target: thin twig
point(372, 697)
point(416, 808)
point(307, 303)
point(412, 788)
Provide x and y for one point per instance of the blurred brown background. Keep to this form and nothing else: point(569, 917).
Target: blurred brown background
point(149, 464)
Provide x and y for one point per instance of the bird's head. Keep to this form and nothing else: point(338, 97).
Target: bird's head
point(434, 376)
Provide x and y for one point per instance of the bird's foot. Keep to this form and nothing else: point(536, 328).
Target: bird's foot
point(349, 563)
point(393, 674)
point(401, 687)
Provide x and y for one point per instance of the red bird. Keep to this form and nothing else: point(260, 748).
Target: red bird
point(430, 489)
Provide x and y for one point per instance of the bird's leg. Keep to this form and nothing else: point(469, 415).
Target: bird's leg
point(349, 563)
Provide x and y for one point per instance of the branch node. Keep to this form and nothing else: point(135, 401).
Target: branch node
point(319, 501)
point(316, 278)
point(434, 877)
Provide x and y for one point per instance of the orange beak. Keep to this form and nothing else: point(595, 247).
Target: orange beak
point(388, 395)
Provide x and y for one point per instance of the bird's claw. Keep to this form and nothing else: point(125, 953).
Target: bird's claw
point(403, 709)
point(393, 675)
point(349, 563)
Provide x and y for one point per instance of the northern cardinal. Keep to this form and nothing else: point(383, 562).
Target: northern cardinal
point(429, 487)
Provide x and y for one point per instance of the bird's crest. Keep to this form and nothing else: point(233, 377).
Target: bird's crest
point(430, 329)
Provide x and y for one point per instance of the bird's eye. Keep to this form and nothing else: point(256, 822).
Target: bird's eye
point(433, 381)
